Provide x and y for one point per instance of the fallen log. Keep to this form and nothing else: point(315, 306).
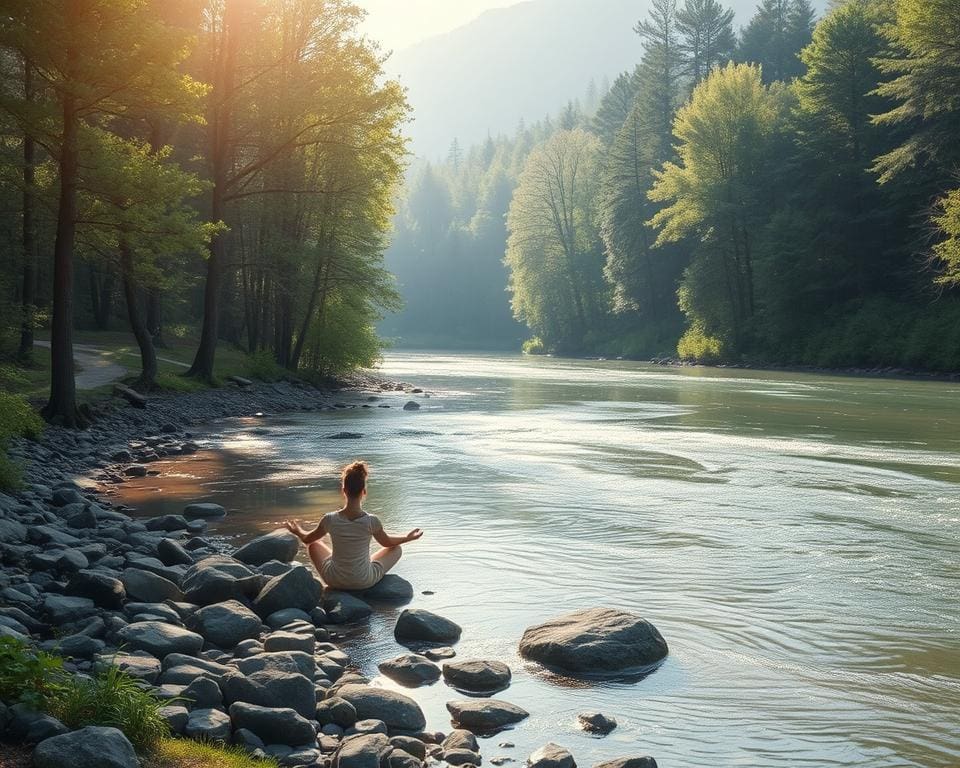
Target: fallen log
point(131, 396)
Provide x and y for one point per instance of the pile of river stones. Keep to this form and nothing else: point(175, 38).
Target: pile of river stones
point(240, 643)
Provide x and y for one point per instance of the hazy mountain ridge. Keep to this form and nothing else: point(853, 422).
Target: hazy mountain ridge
point(517, 63)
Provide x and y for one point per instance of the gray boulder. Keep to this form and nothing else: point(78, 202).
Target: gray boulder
point(277, 545)
point(396, 710)
point(290, 641)
point(63, 610)
point(149, 587)
point(271, 689)
point(102, 588)
point(410, 669)
point(337, 711)
point(594, 642)
point(167, 523)
point(226, 624)
point(460, 738)
point(273, 725)
point(343, 607)
point(203, 693)
point(390, 589)
point(628, 762)
point(485, 715)
point(208, 725)
point(363, 751)
point(295, 589)
point(202, 510)
point(90, 747)
point(80, 646)
point(596, 722)
point(418, 625)
point(460, 757)
point(288, 662)
point(158, 638)
point(142, 667)
point(477, 676)
point(176, 717)
point(410, 745)
point(551, 756)
point(43, 727)
point(216, 579)
point(172, 552)
point(281, 618)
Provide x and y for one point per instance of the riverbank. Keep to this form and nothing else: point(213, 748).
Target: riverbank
point(239, 645)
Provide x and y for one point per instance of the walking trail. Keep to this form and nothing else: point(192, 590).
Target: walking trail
point(97, 368)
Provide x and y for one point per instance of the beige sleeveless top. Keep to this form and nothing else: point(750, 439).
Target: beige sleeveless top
point(350, 567)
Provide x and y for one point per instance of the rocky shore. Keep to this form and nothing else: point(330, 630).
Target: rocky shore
point(243, 644)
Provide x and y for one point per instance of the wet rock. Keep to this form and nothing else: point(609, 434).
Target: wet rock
point(278, 545)
point(594, 642)
point(275, 726)
point(363, 751)
point(172, 552)
point(167, 523)
point(439, 654)
point(410, 669)
point(395, 709)
point(271, 689)
point(208, 725)
point(345, 436)
point(485, 715)
point(411, 405)
point(628, 762)
point(203, 510)
point(158, 638)
point(477, 676)
point(90, 747)
point(337, 711)
point(390, 589)
point(596, 722)
point(295, 589)
point(343, 607)
point(460, 757)
point(135, 470)
point(104, 590)
point(226, 624)
point(460, 738)
point(149, 587)
point(551, 756)
point(416, 624)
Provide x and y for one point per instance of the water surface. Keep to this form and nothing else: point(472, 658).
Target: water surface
point(794, 537)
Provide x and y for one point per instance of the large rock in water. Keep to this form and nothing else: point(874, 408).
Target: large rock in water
point(277, 545)
point(395, 709)
point(410, 669)
point(390, 589)
point(158, 639)
point(203, 509)
point(226, 624)
point(477, 676)
point(629, 762)
point(594, 642)
point(416, 624)
point(274, 726)
point(90, 747)
point(551, 756)
point(485, 716)
point(297, 588)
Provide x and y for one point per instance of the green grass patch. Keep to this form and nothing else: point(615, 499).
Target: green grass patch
point(17, 419)
point(179, 753)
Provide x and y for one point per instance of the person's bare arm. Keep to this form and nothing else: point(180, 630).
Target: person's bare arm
point(384, 539)
point(307, 537)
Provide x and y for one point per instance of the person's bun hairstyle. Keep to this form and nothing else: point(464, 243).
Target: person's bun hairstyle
point(354, 478)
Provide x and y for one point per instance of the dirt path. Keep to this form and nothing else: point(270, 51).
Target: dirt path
point(97, 368)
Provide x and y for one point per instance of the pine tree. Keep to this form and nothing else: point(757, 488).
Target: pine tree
point(706, 37)
point(776, 34)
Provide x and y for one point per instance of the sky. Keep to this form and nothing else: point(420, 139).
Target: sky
point(397, 24)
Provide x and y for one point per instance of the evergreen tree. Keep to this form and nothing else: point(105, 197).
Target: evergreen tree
point(661, 67)
point(614, 107)
point(706, 37)
point(776, 34)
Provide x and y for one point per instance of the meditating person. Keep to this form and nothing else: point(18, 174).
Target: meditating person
point(349, 564)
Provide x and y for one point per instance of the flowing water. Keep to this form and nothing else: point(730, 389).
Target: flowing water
point(795, 538)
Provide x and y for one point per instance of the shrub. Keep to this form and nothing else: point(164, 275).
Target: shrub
point(698, 346)
point(27, 675)
point(261, 365)
point(534, 346)
point(17, 419)
point(111, 698)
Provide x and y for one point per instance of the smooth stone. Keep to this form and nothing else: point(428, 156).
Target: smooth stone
point(247, 739)
point(410, 669)
point(363, 751)
point(370, 725)
point(216, 579)
point(159, 639)
point(275, 726)
point(295, 589)
point(336, 711)
point(594, 642)
point(344, 607)
point(142, 667)
point(90, 747)
point(149, 587)
point(411, 405)
point(176, 717)
point(485, 715)
point(271, 689)
point(439, 654)
point(596, 722)
point(172, 552)
point(390, 589)
point(226, 624)
point(203, 693)
point(203, 510)
point(288, 662)
point(277, 545)
point(289, 641)
point(479, 676)
point(167, 523)
point(417, 624)
point(44, 727)
point(208, 725)
point(551, 756)
point(80, 646)
point(460, 738)
point(285, 616)
point(396, 710)
point(628, 762)
point(62, 609)
point(460, 757)
point(410, 745)
point(401, 759)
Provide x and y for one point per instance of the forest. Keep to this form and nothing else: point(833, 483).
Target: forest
point(782, 194)
point(220, 170)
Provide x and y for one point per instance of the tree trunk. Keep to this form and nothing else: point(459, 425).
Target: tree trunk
point(155, 317)
point(101, 298)
point(62, 406)
point(220, 128)
point(148, 355)
point(25, 350)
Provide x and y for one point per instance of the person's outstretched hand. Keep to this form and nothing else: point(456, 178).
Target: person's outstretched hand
point(415, 534)
point(295, 528)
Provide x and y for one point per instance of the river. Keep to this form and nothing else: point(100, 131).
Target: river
point(795, 538)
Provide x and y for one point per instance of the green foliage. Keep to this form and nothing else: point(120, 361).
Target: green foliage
point(180, 753)
point(27, 675)
point(534, 346)
point(111, 698)
point(698, 346)
point(947, 250)
point(707, 38)
point(263, 366)
point(344, 337)
point(776, 34)
point(17, 419)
